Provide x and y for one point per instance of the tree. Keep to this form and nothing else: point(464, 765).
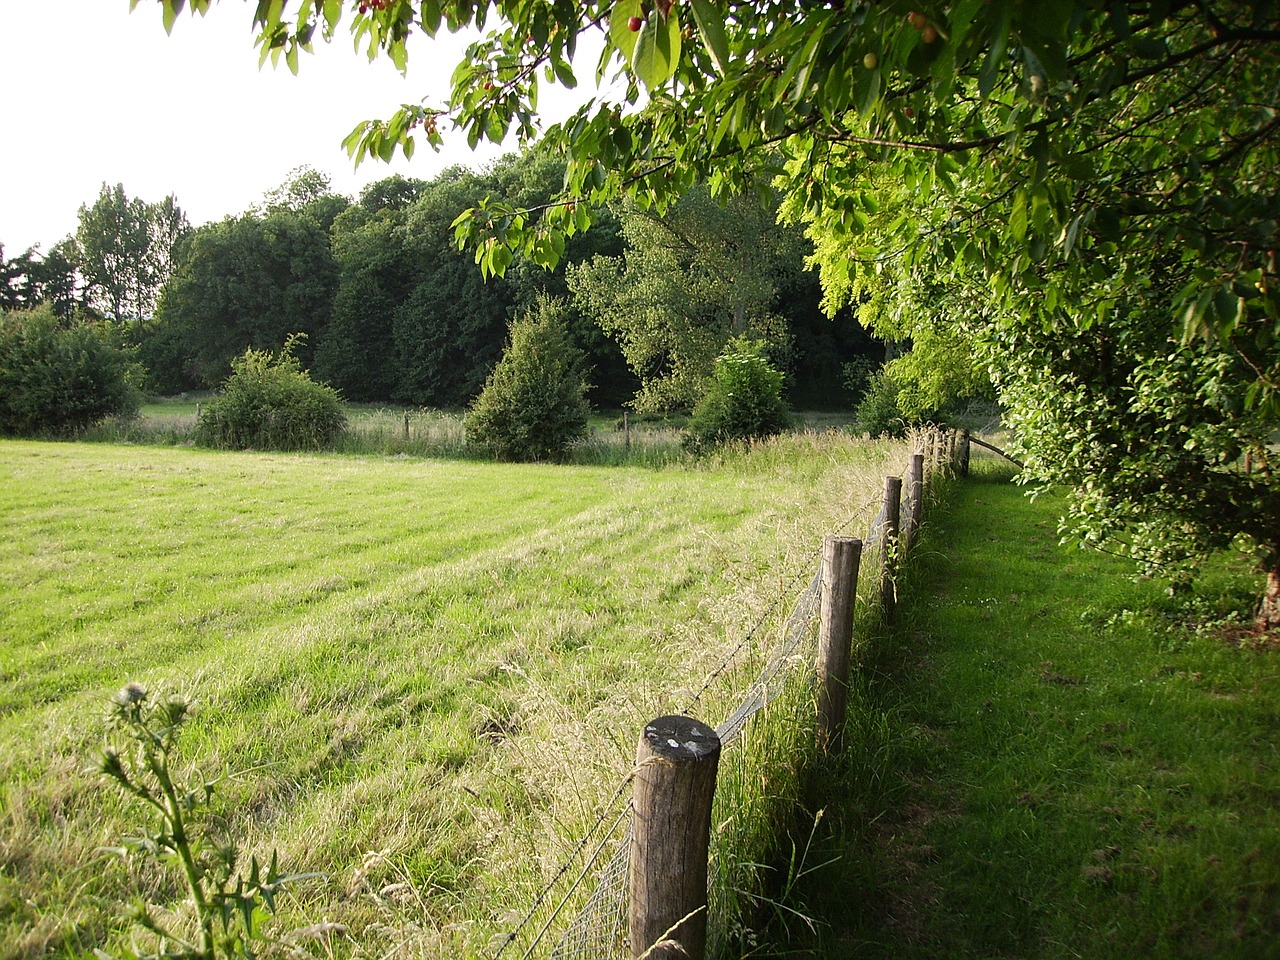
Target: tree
point(1096, 170)
point(533, 405)
point(125, 251)
point(248, 282)
point(685, 284)
point(29, 280)
point(357, 351)
point(58, 377)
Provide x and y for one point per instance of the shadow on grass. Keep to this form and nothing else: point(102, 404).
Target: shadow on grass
point(1044, 760)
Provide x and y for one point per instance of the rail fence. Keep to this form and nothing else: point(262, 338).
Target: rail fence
point(647, 852)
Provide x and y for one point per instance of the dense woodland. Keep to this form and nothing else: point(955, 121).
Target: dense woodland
point(392, 311)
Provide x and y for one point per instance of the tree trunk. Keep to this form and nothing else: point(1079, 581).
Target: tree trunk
point(1269, 610)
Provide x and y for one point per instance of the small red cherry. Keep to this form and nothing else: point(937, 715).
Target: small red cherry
point(635, 23)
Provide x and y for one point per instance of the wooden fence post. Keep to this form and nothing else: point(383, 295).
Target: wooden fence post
point(406, 426)
point(964, 453)
point(915, 501)
point(676, 765)
point(889, 545)
point(840, 561)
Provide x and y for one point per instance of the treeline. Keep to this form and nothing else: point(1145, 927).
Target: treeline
point(390, 310)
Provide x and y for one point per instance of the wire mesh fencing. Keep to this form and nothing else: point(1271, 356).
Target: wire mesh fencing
point(601, 859)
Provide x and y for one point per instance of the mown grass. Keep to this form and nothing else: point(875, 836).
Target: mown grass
point(423, 678)
point(1057, 760)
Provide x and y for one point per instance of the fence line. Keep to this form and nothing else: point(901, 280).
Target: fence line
point(600, 930)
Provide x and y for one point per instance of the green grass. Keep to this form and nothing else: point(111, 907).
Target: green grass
point(1057, 760)
point(425, 677)
point(374, 430)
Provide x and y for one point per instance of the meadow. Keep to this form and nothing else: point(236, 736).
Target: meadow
point(420, 678)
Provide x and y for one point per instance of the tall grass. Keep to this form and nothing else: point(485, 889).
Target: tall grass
point(423, 432)
point(433, 672)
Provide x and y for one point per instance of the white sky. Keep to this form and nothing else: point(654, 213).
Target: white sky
point(94, 94)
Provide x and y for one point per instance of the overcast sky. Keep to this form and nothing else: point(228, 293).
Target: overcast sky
point(95, 94)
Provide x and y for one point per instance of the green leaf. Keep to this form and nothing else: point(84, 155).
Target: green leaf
point(620, 33)
point(866, 86)
point(657, 51)
point(711, 27)
point(995, 57)
point(564, 73)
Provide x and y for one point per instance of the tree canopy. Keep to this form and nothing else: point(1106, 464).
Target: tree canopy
point(124, 249)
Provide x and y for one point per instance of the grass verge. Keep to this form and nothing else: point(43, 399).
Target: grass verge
point(1056, 760)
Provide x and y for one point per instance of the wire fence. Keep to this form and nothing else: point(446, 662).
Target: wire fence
point(599, 930)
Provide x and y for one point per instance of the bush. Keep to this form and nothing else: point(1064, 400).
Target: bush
point(878, 413)
point(744, 399)
point(270, 403)
point(533, 406)
point(58, 377)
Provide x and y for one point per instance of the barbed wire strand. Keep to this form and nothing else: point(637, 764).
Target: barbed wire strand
point(762, 619)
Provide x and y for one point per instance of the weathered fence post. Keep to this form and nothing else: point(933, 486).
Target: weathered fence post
point(889, 545)
point(964, 453)
point(841, 558)
point(915, 501)
point(626, 430)
point(406, 426)
point(675, 781)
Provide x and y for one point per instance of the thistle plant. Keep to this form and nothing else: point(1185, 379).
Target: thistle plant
point(228, 904)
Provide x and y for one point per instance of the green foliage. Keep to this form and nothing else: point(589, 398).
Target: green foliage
point(29, 279)
point(125, 251)
point(743, 401)
point(686, 283)
point(1056, 168)
point(533, 406)
point(59, 377)
point(878, 413)
point(245, 282)
point(270, 403)
point(229, 904)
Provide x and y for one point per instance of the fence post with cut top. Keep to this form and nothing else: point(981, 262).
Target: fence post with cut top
point(840, 561)
point(915, 501)
point(889, 545)
point(675, 781)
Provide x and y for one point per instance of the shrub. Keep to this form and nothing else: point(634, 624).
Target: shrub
point(743, 401)
point(58, 377)
point(878, 413)
point(270, 403)
point(533, 405)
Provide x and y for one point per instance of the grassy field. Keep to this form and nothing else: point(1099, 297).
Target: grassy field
point(423, 676)
point(1057, 760)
